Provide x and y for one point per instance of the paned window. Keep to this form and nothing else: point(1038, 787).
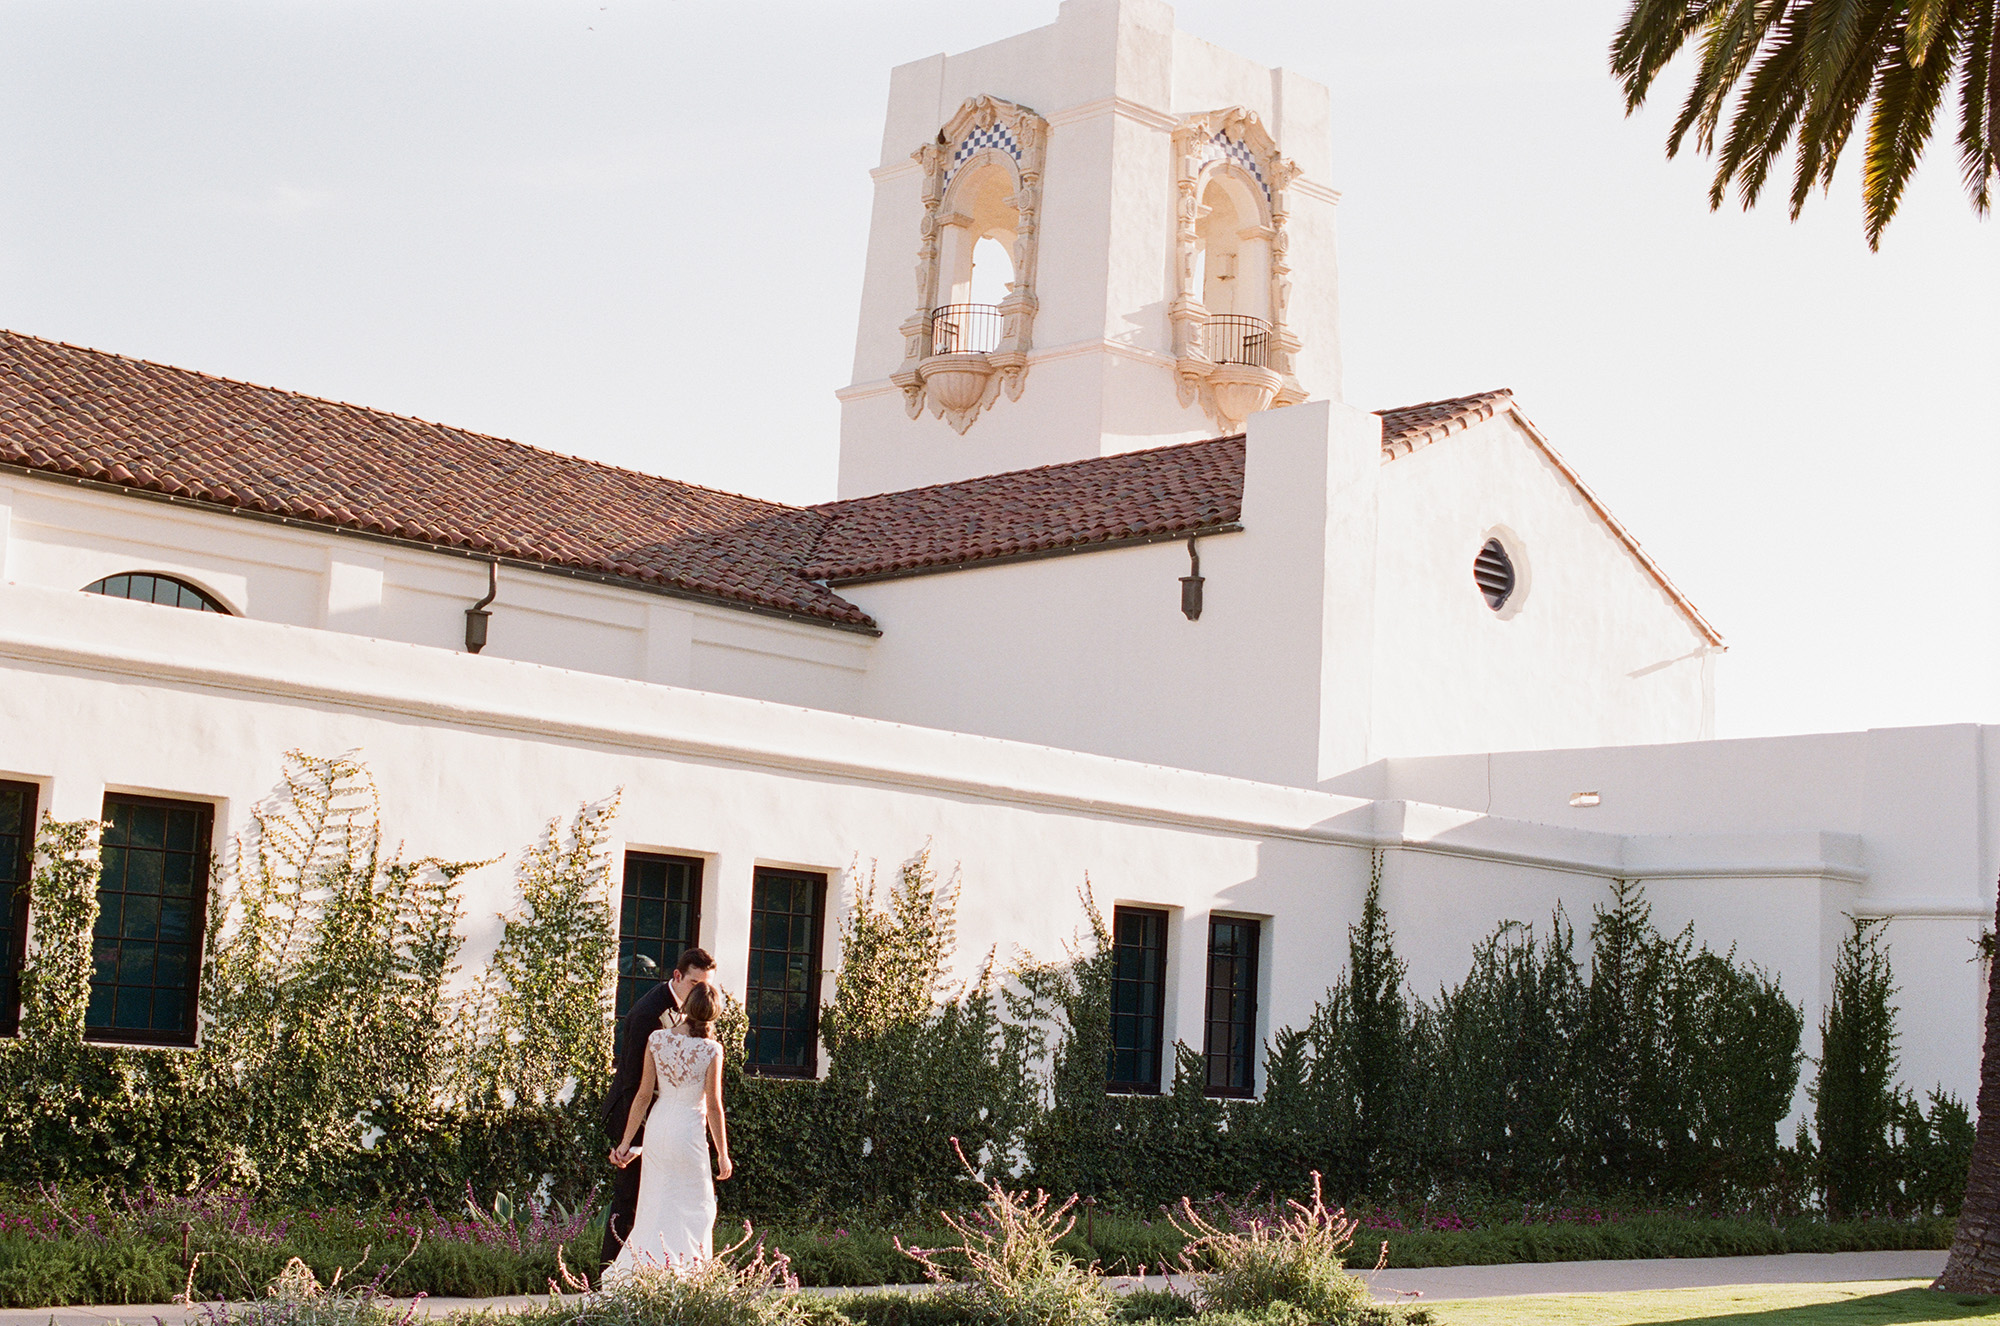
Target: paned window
point(17, 864)
point(151, 897)
point(148, 587)
point(658, 920)
point(1138, 997)
point(1230, 1048)
point(786, 911)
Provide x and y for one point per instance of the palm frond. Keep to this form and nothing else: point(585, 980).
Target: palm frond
point(1730, 43)
point(1833, 32)
point(1800, 75)
point(1926, 19)
point(1647, 41)
point(1837, 95)
point(1907, 93)
point(1979, 104)
point(1766, 115)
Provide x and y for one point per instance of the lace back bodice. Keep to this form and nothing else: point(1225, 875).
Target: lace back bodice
point(681, 1063)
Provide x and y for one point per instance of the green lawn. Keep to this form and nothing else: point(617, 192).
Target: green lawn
point(1858, 1303)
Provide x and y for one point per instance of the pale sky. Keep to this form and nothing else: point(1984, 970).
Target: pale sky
point(634, 231)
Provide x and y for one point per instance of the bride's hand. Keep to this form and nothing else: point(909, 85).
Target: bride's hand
point(621, 1155)
point(723, 1169)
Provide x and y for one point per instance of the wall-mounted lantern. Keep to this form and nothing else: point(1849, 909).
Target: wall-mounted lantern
point(1191, 585)
point(477, 616)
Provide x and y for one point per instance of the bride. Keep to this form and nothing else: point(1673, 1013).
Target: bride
point(675, 1219)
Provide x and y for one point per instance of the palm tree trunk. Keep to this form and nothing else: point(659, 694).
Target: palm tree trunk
point(1974, 1265)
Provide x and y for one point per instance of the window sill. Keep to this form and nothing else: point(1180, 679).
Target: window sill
point(124, 1043)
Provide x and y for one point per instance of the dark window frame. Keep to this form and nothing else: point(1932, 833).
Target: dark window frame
point(1245, 1086)
point(697, 867)
point(17, 936)
point(206, 602)
point(752, 969)
point(189, 1033)
point(1140, 1085)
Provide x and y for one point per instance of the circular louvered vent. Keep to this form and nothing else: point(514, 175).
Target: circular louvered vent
point(1493, 572)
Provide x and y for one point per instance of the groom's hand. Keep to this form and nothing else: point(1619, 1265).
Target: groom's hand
point(621, 1155)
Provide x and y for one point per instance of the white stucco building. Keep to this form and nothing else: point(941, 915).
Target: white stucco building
point(1117, 585)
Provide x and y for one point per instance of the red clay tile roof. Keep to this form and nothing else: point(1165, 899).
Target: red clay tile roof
point(132, 424)
point(129, 423)
point(91, 415)
point(1159, 493)
point(1409, 427)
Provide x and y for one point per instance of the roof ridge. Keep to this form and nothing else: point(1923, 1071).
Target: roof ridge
point(394, 414)
point(1029, 469)
point(1449, 400)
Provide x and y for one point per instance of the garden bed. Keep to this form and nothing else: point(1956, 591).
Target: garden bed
point(141, 1250)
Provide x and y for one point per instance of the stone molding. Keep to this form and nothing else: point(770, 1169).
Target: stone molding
point(1232, 139)
point(1068, 350)
point(960, 386)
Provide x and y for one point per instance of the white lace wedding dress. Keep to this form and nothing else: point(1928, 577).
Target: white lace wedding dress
point(675, 1218)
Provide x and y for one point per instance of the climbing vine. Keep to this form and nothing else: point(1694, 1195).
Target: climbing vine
point(537, 1021)
point(334, 1058)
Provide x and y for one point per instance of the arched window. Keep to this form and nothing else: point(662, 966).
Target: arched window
point(151, 587)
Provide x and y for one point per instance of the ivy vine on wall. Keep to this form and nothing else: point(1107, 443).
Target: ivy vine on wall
point(335, 1057)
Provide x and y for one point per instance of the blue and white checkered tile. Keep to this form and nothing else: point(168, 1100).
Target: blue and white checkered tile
point(1221, 145)
point(981, 138)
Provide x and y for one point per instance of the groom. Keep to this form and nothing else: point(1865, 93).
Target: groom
point(646, 1017)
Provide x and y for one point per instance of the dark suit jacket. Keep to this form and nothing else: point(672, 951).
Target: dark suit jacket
point(630, 1065)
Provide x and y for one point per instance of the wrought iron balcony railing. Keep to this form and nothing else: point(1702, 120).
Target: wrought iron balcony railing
point(958, 329)
point(1234, 338)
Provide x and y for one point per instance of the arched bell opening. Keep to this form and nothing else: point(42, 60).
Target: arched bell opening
point(978, 227)
point(1233, 257)
point(992, 271)
point(1232, 350)
point(970, 335)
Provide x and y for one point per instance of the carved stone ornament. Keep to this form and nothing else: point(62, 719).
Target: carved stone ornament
point(1233, 141)
point(953, 362)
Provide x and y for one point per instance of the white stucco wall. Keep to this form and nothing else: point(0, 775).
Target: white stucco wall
point(1091, 651)
point(60, 536)
point(1590, 650)
point(1920, 805)
point(473, 756)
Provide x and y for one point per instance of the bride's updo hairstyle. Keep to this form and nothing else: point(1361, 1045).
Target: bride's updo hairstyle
point(699, 1010)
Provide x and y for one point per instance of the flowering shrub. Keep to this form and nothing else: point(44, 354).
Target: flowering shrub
point(1014, 1274)
point(1299, 1257)
point(742, 1285)
point(296, 1298)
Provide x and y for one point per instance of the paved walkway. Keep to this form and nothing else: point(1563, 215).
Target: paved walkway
point(1439, 1283)
point(1669, 1273)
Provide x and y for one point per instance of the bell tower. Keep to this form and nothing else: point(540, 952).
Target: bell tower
point(1097, 236)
